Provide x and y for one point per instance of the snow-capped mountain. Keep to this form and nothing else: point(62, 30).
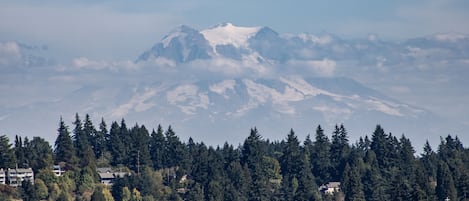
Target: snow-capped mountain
point(263, 45)
point(223, 80)
point(186, 44)
point(219, 110)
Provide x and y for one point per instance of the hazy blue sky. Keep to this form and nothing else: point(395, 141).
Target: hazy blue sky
point(121, 29)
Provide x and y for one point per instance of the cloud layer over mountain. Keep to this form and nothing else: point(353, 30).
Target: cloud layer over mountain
point(216, 83)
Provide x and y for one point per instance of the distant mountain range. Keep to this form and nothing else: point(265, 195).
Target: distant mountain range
point(215, 84)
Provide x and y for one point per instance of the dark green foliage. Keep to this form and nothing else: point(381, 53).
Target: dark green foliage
point(99, 140)
point(307, 188)
point(139, 154)
point(83, 136)
point(195, 192)
point(162, 167)
point(38, 154)
point(320, 157)
point(445, 187)
point(7, 153)
point(291, 166)
point(252, 156)
point(20, 154)
point(340, 150)
point(64, 150)
point(176, 153)
point(351, 184)
point(117, 144)
point(157, 148)
point(28, 192)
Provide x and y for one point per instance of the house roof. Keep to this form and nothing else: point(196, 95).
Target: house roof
point(104, 170)
point(333, 184)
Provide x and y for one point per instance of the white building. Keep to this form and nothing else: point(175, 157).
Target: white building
point(58, 171)
point(330, 188)
point(17, 175)
point(3, 176)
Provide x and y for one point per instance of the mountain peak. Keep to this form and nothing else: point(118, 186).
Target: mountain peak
point(177, 32)
point(229, 34)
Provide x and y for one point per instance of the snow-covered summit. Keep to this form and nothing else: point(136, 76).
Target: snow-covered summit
point(229, 34)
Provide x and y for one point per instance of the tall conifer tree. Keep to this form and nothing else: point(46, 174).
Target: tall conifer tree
point(64, 150)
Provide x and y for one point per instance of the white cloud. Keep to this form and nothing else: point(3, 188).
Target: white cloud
point(85, 63)
point(324, 67)
point(321, 40)
point(222, 87)
point(382, 107)
point(161, 62)
point(10, 54)
point(450, 37)
point(232, 68)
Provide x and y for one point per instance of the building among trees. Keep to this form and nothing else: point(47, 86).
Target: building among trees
point(15, 176)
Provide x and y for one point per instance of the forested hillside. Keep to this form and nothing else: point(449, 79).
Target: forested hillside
point(161, 166)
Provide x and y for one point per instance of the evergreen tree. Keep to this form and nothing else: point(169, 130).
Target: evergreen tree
point(82, 140)
point(64, 150)
point(20, 153)
point(401, 189)
point(407, 159)
point(99, 140)
point(116, 145)
point(252, 155)
point(379, 145)
point(199, 169)
point(89, 130)
point(195, 193)
point(373, 182)
point(39, 154)
point(320, 157)
point(445, 187)
point(7, 153)
point(289, 163)
point(28, 192)
point(139, 152)
point(351, 184)
point(429, 160)
point(423, 189)
point(157, 148)
point(463, 186)
point(176, 152)
point(340, 151)
point(307, 188)
point(238, 178)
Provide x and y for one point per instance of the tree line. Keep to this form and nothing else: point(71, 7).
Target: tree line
point(163, 167)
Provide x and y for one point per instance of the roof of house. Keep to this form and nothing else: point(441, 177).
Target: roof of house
point(104, 170)
point(108, 173)
point(333, 184)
